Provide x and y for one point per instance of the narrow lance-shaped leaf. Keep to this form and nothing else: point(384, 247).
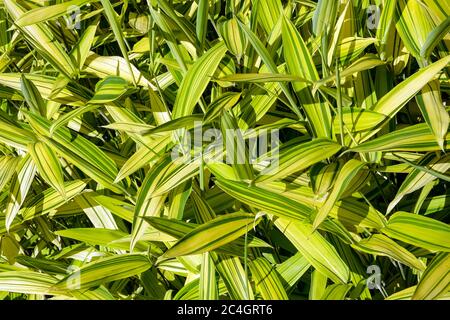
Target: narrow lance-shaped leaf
point(233, 37)
point(41, 38)
point(229, 267)
point(292, 270)
point(109, 89)
point(80, 151)
point(385, 24)
point(435, 281)
point(318, 285)
point(265, 200)
point(8, 165)
point(266, 58)
point(324, 16)
point(67, 117)
point(81, 50)
point(430, 103)
point(343, 181)
point(295, 158)
point(105, 270)
point(213, 234)
point(20, 185)
point(319, 252)
point(49, 200)
point(196, 80)
point(418, 230)
point(208, 282)
point(202, 21)
point(336, 292)
point(99, 216)
point(267, 280)
point(27, 282)
point(111, 15)
point(147, 203)
point(48, 165)
point(110, 238)
point(32, 96)
point(300, 63)
point(417, 178)
point(434, 37)
point(379, 244)
point(395, 99)
point(46, 13)
point(412, 138)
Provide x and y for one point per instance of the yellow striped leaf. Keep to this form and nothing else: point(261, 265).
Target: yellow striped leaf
point(19, 187)
point(418, 230)
point(213, 234)
point(379, 244)
point(50, 200)
point(344, 181)
point(435, 281)
point(267, 280)
point(48, 165)
point(41, 38)
point(196, 80)
point(318, 251)
point(105, 270)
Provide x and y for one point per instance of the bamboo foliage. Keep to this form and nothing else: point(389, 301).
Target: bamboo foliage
point(224, 149)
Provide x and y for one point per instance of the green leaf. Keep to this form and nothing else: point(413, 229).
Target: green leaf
point(111, 15)
point(336, 292)
point(28, 282)
point(294, 158)
point(267, 280)
point(379, 244)
point(358, 119)
point(212, 234)
point(64, 119)
point(80, 151)
point(41, 38)
point(109, 89)
point(50, 200)
point(344, 181)
point(418, 230)
point(318, 251)
point(48, 165)
point(105, 270)
point(233, 37)
point(270, 64)
point(395, 99)
point(300, 63)
point(202, 21)
point(99, 216)
point(265, 200)
point(99, 236)
point(147, 203)
point(291, 270)
point(46, 13)
point(430, 103)
point(208, 285)
point(81, 50)
point(412, 138)
point(324, 16)
point(7, 169)
point(196, 80)
point(435, 280)
point(417, 179)
point(32, 96)
point(434, 37)
point(20, 185)
point(224, 102)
